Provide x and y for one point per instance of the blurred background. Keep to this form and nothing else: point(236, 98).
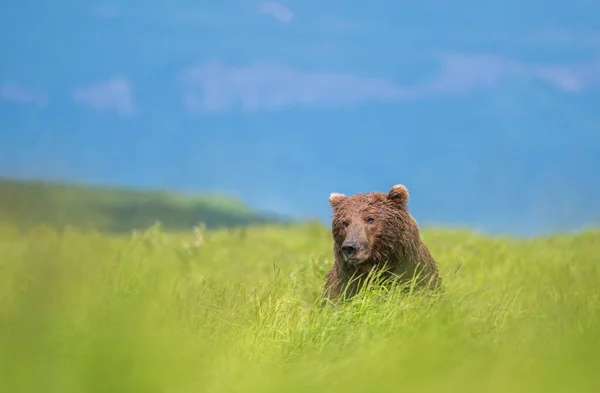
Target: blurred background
point(486, 110)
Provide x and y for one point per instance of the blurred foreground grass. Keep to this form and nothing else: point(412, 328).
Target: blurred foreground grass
point(234, 310)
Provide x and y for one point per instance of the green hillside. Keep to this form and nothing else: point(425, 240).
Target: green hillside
point(116, 210)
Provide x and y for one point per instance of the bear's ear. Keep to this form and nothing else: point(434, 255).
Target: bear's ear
point(399, 194)
point(335, 199)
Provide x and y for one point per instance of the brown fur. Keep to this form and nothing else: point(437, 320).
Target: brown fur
point(384, 233)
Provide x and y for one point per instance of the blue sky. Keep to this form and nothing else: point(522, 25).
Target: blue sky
point(486, 110)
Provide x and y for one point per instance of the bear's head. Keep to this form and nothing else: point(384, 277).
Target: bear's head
point(368, 228)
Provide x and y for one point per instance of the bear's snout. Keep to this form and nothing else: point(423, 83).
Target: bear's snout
point(349, 249)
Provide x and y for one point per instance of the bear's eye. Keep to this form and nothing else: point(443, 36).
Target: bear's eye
point(370, 220)
point(345, 224)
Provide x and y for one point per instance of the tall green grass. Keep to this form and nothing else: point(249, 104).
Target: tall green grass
point(238, 311)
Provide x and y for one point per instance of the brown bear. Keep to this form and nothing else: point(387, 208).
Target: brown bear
point(371, 231)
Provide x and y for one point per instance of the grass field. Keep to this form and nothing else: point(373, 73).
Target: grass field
point(234, 311)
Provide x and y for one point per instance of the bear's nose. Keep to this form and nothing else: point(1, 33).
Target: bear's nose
point(349, 249)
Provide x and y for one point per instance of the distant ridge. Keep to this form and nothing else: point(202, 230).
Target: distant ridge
point(111, 209)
